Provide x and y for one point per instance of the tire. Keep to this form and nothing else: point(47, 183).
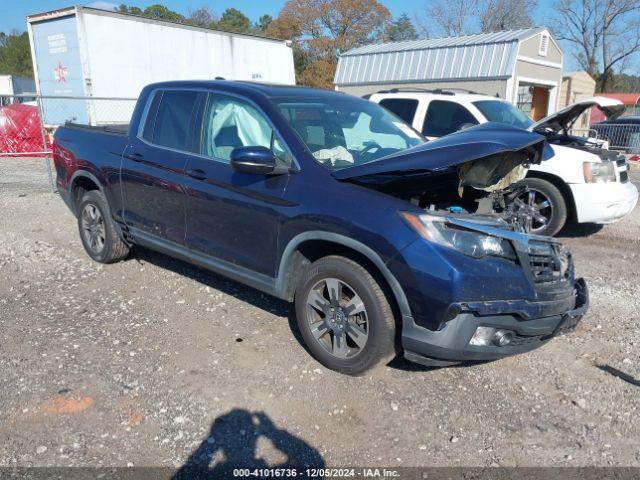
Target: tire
point(556, 213)
point(98, 232)
point(361, 315)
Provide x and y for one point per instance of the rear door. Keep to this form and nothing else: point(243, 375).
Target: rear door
point(444, 117)
point(153, 167)
point(234, 217)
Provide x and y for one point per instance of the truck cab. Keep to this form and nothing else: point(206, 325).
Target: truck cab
point(582, 181)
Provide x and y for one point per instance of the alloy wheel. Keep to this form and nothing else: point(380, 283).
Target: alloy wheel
point(337, 318)
point(93, 229)
point(539, 209)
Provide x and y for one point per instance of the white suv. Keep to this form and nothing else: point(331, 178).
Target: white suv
point(582, 181)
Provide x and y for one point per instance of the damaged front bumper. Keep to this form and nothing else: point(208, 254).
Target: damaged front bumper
point(451, 345)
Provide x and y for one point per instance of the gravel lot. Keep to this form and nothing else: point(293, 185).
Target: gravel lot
point(151, 361)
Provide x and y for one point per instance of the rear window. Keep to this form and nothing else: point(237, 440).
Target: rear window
point(405, 108)
point(445, 117)
point(174, 120)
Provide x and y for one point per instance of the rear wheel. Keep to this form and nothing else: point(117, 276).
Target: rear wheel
point(344, 316)
point(547, 207)
point(97, 231)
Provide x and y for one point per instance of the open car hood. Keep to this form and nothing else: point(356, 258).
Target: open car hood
point(564, 119)
point(487, 157)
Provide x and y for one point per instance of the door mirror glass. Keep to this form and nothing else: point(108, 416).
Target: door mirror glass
point(253, 160)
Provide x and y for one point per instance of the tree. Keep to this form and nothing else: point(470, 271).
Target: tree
point(401, 29)
point(263, 23)
point(15, 55)
point(322, 29)
point(604, 34)
point(496, 15)
point(157, 12)
point(201, 17)
point(160, 12)
point(453, 17)
point(233, 20)
point(464, 17)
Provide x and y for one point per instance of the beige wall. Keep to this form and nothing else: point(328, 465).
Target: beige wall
point(488, 87)
point(530, 48)
point(575, 88)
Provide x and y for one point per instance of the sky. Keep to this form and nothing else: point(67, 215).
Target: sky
point(13, 12)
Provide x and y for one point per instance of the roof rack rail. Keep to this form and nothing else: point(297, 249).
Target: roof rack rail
point(405, 89)
point(452, 91)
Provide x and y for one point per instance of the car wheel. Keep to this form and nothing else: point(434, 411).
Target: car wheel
point(548, 208)
point(97, 230)
point(344, 316)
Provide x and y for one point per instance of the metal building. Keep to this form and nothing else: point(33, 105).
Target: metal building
point(523, 66)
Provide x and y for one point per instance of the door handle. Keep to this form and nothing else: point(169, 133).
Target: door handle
point(197, 174)
point(136, 157)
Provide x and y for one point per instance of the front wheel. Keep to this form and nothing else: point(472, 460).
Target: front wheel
point(547, 207)
point(344, 316)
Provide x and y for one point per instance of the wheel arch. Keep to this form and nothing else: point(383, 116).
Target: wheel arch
point(307, 247)
point(83, 181)
point(562, 186)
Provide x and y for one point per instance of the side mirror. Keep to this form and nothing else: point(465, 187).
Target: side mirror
point(253, 160)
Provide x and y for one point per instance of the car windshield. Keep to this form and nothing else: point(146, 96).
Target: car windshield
point(503, 112)
point(343, 132)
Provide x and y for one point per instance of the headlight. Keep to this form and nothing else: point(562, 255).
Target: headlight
point(475, 244)
point(599, 172)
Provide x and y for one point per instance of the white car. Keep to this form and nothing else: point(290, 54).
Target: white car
point(582, 181)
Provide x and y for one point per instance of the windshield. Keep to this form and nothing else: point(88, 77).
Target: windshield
point(503, 112)
point(342, 132)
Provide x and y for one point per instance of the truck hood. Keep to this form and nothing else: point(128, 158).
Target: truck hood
point(488, 156)
point(564, 119)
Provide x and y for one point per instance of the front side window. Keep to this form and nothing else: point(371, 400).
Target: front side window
point(503, 112)
point(445, 117)
point(231, 123)
point(404, 108)
point(341, 132)
point(174, 120)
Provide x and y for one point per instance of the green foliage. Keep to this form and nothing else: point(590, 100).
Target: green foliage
point(233, 20)
point(157, 12)
point(15, 55)
point(621, 83)
point(401, 29)
point(263, 23)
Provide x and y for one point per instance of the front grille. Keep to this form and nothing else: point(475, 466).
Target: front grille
point(621, 161)
point(549, 263)
point(624, 176)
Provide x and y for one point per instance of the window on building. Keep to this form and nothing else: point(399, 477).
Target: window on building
point(445, 117)
point(405, 108)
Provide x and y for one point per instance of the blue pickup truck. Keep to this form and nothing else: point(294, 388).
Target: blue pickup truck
point(385, 243)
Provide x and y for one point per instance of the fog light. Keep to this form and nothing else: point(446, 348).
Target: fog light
point(502, 338)
point(483, 336)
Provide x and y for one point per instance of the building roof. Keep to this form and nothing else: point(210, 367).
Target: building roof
point(626, 98)
point(484, 55)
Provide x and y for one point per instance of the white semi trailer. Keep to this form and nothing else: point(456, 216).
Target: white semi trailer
point(88, 52)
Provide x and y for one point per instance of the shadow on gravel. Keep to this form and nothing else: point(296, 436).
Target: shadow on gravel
point(399, 363)
point(210, 279)
point(625, 377)
point(577, 230)
point(233, 441)
point(213, 280)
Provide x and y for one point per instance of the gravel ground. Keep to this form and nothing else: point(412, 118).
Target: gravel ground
point(151, 362)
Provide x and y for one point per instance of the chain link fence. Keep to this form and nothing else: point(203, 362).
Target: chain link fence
point(28, 122)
